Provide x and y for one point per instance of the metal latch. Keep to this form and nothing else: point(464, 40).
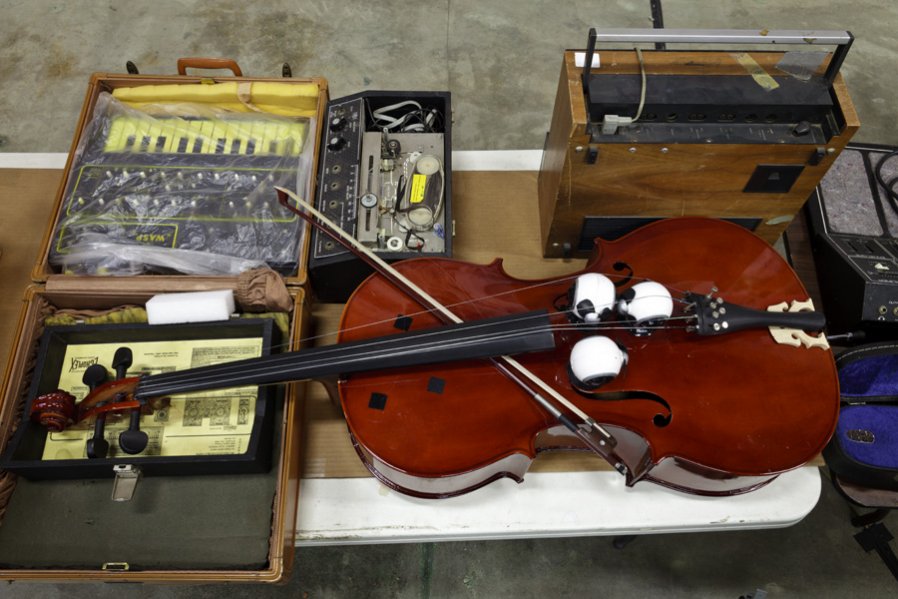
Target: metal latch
point(126, 477)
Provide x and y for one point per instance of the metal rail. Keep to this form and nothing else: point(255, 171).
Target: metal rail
point(841, 39)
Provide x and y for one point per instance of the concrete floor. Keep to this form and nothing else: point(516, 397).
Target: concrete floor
point(501, 61)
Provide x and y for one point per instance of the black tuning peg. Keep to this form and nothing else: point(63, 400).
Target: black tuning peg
point(94, 376)
point(122, 361)
point(133, 440)
point(97, 446)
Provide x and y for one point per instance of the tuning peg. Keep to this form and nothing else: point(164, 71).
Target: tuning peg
point(122, 361)
point(133, 440)
point(94, 376)
point(97, 446)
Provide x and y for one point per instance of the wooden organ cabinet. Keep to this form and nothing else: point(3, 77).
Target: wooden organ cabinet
point(740, 135)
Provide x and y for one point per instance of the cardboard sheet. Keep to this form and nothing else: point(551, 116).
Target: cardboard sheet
point(26, 201)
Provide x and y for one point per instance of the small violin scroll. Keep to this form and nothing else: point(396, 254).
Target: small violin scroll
point(58, 409)
point(54, 410)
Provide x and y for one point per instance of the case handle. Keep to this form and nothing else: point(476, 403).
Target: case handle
point(208, 63)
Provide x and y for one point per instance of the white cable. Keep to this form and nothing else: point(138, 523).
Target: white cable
point(642, 93)
point(392, 122)
point(612, 122)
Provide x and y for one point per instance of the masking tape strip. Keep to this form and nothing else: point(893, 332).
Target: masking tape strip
point(245, 95)
point(756, 71)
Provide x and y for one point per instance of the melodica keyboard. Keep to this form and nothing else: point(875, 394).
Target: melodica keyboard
point(203, 184)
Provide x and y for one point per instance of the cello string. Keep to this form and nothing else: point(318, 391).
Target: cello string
point(237, 381)
point(430, 311)
point(229, 377)
point(391, 341)
point(385, 346)
point(374, 345)
point(326, 354)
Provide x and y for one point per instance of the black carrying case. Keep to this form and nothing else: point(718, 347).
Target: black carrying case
point(863, 452)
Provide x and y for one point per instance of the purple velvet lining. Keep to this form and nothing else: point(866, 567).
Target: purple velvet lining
point(882, 421)
point(871, 376)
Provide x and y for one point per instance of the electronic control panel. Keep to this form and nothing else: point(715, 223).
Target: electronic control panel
point(854, 221)
point(384, 177)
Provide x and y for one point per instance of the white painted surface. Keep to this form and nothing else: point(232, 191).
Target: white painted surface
point(489, 160)
point(497, 160)
point(33, 160)
point(361, 510)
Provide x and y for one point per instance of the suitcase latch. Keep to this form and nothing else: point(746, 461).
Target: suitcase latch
point(126, 477)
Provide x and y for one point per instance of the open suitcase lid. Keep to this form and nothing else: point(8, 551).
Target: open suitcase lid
point(137, 143)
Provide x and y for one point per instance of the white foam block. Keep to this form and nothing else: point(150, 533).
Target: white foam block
point(196, 306)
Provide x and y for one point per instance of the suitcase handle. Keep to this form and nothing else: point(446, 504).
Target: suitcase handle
point(208, 63)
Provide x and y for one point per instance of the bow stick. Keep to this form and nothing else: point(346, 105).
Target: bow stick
point(596, 437)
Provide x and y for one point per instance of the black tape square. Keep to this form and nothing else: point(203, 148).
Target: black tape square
point(377, 401)
point(403, 322)
point(436, 385)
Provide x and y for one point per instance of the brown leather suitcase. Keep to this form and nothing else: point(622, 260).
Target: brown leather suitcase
point(148, 538)
point(177, 528)
point(144, 156)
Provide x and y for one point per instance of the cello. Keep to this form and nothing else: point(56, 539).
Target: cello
point(718, 397)
point(704, 399)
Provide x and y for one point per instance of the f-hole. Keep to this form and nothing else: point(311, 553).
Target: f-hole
point(628, 275)
point(660, 420)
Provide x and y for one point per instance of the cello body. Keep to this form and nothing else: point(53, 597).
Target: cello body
point(716, 415)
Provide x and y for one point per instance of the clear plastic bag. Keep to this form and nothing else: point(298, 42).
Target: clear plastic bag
point(183, 188)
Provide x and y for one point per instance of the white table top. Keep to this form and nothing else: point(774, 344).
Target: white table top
point(361, 510)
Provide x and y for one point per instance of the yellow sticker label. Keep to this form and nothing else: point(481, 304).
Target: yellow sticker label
point(419, 182)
